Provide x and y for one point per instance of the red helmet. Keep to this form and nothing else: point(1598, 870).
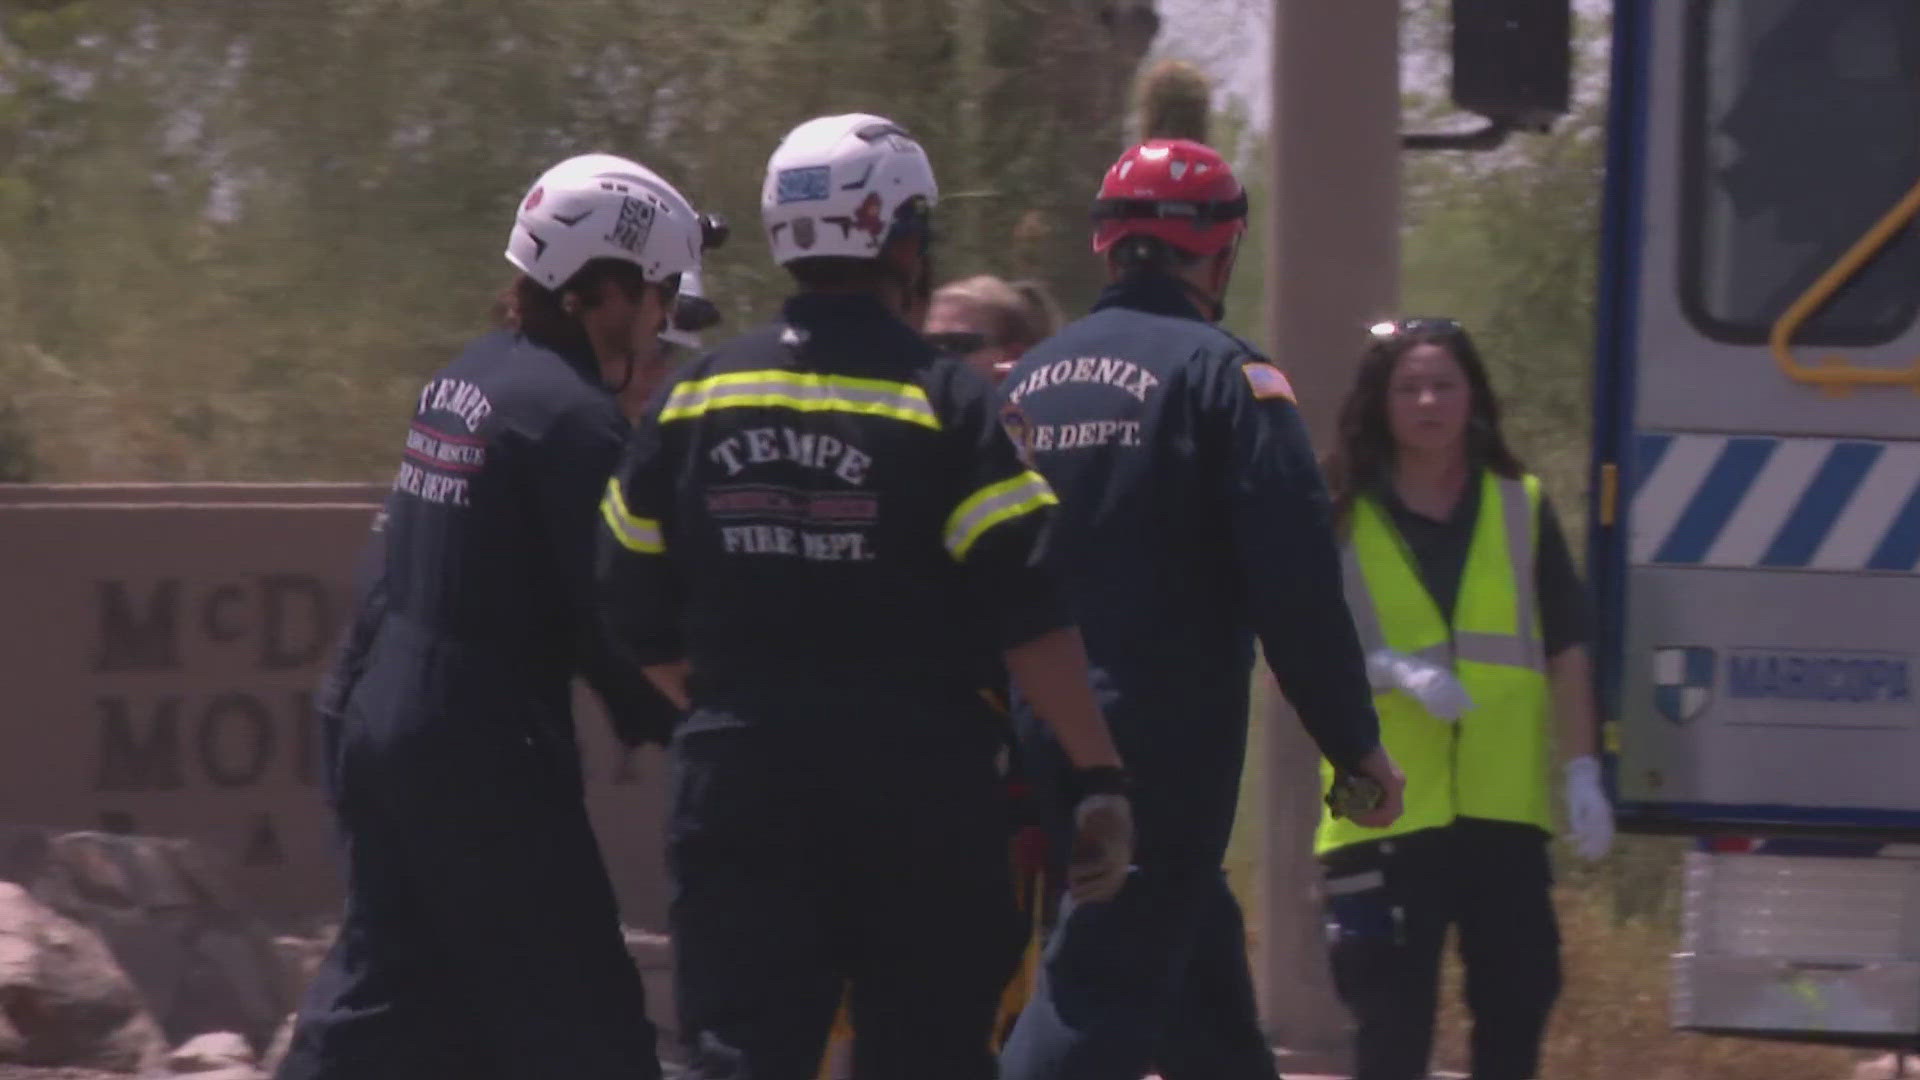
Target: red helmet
point(1176, 190)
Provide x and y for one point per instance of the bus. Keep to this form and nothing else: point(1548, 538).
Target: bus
point(1755, 499)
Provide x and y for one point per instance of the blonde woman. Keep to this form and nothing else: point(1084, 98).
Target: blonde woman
point(989, 321)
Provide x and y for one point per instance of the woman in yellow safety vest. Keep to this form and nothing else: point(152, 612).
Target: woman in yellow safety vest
point(1473, 618)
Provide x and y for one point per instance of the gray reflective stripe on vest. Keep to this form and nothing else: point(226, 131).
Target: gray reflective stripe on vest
point(1495, 649)
point(1522, 649)
point(1366, 620)
point(1522, 551)
point(1366, 623)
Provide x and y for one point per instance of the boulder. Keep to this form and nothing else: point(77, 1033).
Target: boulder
point(213, 1052)
point(64, 999)
point(300, 958)
point(12, 1043)
point(176, 925)
point(277, 1049)
point(1886, 1067)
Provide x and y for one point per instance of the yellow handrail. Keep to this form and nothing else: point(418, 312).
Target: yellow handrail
point(1835, 373)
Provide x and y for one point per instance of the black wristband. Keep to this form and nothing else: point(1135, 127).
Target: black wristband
point(1099, 780)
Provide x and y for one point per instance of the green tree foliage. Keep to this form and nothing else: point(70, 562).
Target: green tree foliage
point(1507, 242)
point(233, 236)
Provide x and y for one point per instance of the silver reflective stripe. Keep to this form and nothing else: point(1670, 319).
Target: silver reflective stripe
point(1494, 649)
point(1522, 649)
point(1354, 883)
point(1366, 621)
point(1516, 511)
point(994, 504)
point(902, 401)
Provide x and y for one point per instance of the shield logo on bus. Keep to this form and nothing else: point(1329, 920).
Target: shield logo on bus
point(1682, 681)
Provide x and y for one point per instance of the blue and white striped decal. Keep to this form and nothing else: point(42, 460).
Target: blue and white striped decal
point(1757, 502)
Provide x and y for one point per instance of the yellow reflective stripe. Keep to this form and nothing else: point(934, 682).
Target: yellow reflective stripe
point(637, 534)
point(802, 391)
point(993, 504)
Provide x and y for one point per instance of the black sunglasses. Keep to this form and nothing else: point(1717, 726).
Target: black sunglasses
point(958, 342)
point(1425, 324)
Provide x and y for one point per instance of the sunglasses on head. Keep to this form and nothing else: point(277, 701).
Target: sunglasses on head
point(1392, 328)
point(958, 342)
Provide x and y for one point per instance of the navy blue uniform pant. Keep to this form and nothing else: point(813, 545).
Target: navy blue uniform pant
point(481, 936)
point(803, 873)
point(1155, 980)
point(1389, 905)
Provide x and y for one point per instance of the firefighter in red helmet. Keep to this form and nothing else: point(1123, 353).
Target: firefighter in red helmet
point(1193, 522)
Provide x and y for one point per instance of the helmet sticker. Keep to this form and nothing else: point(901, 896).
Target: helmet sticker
point(801, 185)
point(634, 226)
point(866, 218)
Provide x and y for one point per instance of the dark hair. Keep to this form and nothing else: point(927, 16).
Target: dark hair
point(1140, 255)
point(540, 313)
point(1364, 450)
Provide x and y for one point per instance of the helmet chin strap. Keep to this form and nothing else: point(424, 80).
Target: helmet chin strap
point(1215, 308)
point(915, 289)
point(1209, 302)
point(626, 378)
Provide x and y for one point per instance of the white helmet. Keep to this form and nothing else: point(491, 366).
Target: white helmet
point(597, 206)
point(836, 186)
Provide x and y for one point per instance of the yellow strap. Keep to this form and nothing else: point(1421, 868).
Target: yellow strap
point(993, 504)
point(1835, 374)
point(637, 534)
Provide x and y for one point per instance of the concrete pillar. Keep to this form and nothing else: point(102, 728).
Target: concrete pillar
point(1333, 267)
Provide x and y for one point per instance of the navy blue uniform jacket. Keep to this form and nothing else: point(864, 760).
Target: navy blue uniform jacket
point(477, 591)
point(826, 518)
point(1193, 519)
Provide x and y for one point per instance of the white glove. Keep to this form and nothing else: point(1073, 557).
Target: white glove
point(1589, 816)
point(1433, 686)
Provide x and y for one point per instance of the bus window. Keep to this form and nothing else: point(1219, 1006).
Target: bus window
point(1803, 129)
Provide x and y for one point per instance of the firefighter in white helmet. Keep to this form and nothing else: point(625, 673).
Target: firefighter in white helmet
point(824, 543)
point(480, 937)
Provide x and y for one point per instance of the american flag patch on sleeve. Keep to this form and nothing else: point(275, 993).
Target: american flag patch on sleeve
point(1268, 381)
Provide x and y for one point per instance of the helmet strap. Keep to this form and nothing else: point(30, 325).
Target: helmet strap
point(915, 281)
point(1218, 301)
point(667, 292)
point(626, 378)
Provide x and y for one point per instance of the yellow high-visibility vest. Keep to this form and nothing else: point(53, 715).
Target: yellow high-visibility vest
point(1493, 761)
